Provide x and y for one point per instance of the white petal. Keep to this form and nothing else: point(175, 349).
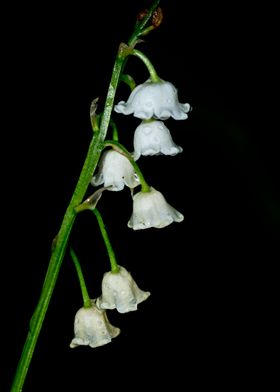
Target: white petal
point(150, 209)
point(158, 100)
point(115, 172)
point(153, 138)
point(92, 328)
point(119, 291)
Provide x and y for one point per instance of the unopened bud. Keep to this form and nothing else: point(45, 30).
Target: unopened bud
point(157, 17)
point(142, 15)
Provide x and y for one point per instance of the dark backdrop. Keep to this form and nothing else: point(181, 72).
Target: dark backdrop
point(211, 276)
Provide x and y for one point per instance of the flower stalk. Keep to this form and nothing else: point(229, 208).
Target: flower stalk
point(154, 76)
point(110, 250)
point(61, 240)
point(85, 295)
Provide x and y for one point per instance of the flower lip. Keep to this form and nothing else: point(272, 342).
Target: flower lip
point(154, 100)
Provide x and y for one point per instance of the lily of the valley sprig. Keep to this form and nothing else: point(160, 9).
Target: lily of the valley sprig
point(110, 167)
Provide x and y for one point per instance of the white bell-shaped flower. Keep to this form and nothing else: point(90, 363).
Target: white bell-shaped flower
point(154, 100)
point(119, 291)
point(150, 209)
point(153, 138)
point(115, 171)
point(92, 328)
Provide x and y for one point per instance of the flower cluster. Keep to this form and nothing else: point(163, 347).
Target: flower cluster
point(152, 102)
point(119, 291)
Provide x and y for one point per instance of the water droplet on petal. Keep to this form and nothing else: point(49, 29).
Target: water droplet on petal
point(147, 130)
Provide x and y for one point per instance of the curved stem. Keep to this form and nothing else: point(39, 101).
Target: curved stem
point(127, 79)
point(145, 187)
point(115, 130)
point(114, 265)
point(154, 76)
point(61, 239)
point(86, 298)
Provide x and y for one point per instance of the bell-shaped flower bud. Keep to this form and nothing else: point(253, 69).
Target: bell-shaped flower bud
point(153, 138)
point(150, 209)
point(115, 171)
point(92, 328)
point(119, 291)
point(154, 100)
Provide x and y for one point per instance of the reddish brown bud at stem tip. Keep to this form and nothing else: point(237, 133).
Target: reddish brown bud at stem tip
point(142, 15)
point(157, 17)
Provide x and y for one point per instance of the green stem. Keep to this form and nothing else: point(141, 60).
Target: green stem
point(60, 242)
point(115, 130)
point(147, 30)
point(114, 265)
point(154, 76)
point(140, 25)
point(86, 298)
point(127, 79)
point(145, 187)
point(62, 237)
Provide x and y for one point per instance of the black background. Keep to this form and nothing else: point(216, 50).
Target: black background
point(211, 277)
